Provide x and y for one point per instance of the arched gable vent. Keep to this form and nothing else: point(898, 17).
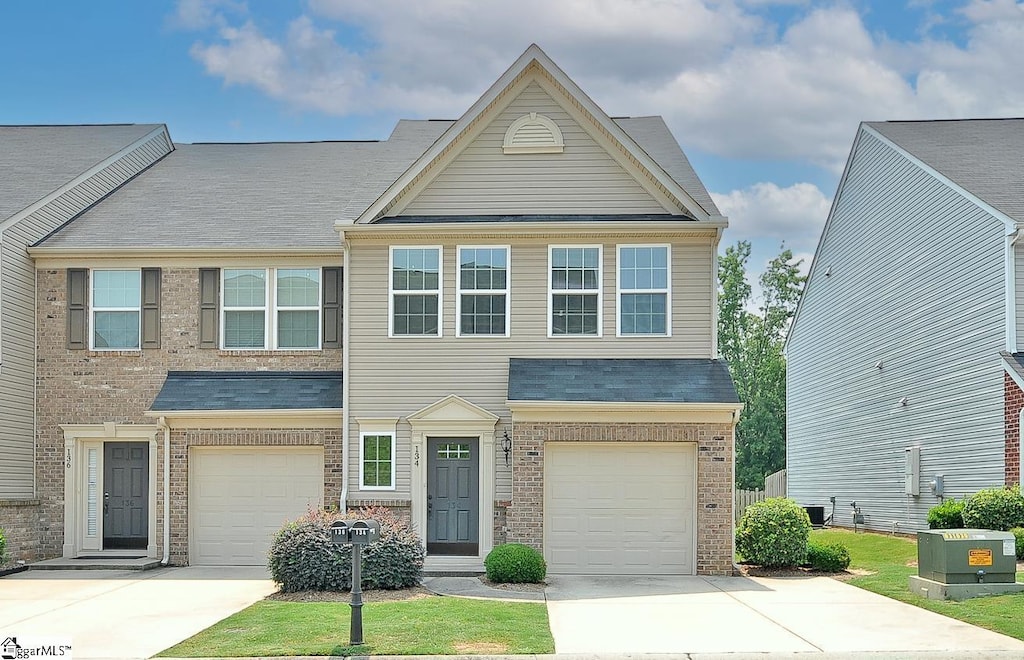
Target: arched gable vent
point(533, 134)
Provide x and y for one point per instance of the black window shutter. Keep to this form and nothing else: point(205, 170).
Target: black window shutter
point(150, 308)
point(78, 296)
point(209, 316)
point(334, 284)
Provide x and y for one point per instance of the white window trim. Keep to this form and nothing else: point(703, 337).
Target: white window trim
point(392, 293)
point(270, 309)
point(370, 431)
point(620, 291)
point(599, 292)
point(507, 291)
point(318, 308)
point(93, 309)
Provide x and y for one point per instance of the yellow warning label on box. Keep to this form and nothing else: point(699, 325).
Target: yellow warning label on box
point(955, 536)
point(979, 557)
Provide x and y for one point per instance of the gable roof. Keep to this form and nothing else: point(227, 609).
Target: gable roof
point(985, 157)
point(684, 380)
point(37, 160)
point(535, 62)
point(267, 195)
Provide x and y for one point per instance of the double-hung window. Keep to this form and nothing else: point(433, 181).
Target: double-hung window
point(116, 304)
point(271, 308)
point(644, 275)
point(575, 291)
point(483, 291)
point(415, 294)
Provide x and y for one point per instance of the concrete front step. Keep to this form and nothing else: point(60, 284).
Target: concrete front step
point(93, 564)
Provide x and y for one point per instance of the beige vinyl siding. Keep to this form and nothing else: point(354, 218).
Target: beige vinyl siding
point(18, 305)
point(482, 180)
point(916, 282)
point(393, 377)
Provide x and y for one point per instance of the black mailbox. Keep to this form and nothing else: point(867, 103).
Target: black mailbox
point(339, 532)
point(363, 532)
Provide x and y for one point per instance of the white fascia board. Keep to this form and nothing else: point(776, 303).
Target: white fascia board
point(222, 419)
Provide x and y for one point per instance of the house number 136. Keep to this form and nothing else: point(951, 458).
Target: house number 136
point(67, 459)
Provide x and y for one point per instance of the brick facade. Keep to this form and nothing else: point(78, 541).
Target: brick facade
point(92, 387)
point(20, 521)
point(1013, 401)
point(714, 521)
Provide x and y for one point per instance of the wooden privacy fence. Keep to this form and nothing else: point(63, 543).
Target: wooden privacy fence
point(774, 486)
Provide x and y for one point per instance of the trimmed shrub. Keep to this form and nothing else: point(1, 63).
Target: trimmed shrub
point(1018, 533)
point(995, 508)
point(515, 562)
point(773, 533)
point(948, 515)
point(302, 556)
point(3, 547)
point(830, 557)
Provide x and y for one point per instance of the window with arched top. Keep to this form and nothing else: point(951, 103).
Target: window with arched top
point(533, 134)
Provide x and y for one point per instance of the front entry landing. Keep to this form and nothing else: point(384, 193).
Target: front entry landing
point(453, 496)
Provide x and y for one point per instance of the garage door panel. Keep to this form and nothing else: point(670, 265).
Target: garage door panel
point(240, 497)
point(598, 495)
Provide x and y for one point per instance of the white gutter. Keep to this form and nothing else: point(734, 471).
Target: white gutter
point(161, 423)
point(345, 451)
point(1010, 277)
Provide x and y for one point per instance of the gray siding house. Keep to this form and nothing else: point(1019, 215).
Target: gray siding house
point(500, 327)
point(903, 383)
point(48, 175)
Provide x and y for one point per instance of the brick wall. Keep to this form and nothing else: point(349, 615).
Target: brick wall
point(1013, 401)
point(714, 522)
point(91, 387)
point(20, 521)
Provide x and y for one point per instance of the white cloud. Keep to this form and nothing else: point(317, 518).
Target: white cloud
point(766, 213)
point(727, 79)
point(201, 14)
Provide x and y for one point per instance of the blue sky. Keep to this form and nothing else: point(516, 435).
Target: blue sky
point(764, 95)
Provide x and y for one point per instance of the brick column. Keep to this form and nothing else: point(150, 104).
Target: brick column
point(1013, 401)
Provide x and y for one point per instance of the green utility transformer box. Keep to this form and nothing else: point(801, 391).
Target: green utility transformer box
point(966, 556)
point(964, 563)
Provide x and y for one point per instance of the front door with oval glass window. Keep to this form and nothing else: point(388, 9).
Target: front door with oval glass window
point(453, 499)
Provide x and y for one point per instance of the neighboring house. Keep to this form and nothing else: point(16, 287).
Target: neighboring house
point(904, 385)
point(48, 175)
point(513, 340)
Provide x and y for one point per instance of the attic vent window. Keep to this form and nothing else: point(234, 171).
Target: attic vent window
point(533, 134)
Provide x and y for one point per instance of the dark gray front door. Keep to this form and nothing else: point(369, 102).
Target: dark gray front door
point(453, 501)
point(125, 495)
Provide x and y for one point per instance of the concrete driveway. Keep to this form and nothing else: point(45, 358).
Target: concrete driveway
point(124, 614)
point(748, 615)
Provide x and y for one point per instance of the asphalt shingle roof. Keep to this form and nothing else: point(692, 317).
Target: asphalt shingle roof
point(37, 160)
point(621, 380)
point(249, 390)
point(285, 195)
point(983, 156)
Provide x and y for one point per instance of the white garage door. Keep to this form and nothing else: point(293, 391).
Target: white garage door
point(240, 496)
point(619, 508)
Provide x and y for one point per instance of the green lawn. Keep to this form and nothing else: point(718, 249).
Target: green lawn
point(426, 626)
point(889, 560)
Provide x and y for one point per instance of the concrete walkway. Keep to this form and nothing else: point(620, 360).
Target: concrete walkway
point(124, 614)
point(601, 615)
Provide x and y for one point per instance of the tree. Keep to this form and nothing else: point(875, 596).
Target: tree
point(751, 343)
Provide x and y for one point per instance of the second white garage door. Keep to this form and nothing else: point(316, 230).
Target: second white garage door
point(240, 496)
point(620, 508)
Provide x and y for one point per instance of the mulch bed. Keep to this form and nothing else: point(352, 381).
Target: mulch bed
point(370, 596)
point(528, 587)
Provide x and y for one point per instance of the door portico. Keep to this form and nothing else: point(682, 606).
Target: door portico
point(454, 417)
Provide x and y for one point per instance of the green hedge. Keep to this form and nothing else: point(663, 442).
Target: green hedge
point(773, 533)
point(515, 562)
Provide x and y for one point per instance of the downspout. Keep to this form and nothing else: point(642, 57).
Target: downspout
point(1010, 260)
point(161, 423)
point(345, 451)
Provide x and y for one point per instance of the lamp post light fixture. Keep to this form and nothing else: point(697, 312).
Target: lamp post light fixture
point(506, 446)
